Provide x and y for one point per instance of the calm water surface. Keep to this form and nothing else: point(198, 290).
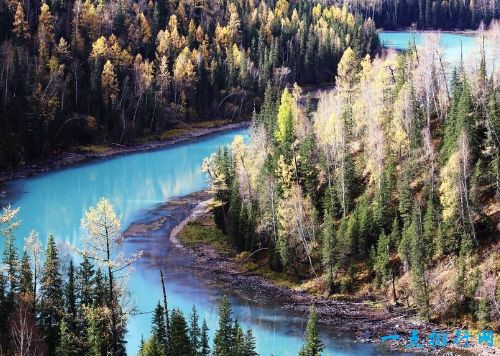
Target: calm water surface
point(451, 43)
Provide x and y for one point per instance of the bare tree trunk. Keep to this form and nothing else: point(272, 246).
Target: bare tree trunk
point(165, 308)
point(111, 296)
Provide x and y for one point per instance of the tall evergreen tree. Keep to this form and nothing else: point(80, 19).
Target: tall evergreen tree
point(204, 341)
point(179, 334)
point(313, 346)
point(71, 299)
point(51, 295)
point(249, 344)
point(85, 282)
point(223, 340)
point(26, 278)
point(159, 331)
point(328, 250)
point(194, 331)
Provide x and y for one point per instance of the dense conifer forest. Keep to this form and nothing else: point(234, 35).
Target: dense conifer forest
point(83, 72)
point(429, 14)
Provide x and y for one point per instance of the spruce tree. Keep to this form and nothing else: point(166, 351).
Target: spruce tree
point(99, 293)
point(159, 331)
point(430, 229)
point(249, 344)
point(51, 294)
point(239, 339)
point(418, 262)
point(204, 340)
point(405, 197)
point(26, 279)
point(223, 340)
point(85, 282)
point(71, 299)
point(328, 250)
point(313, 345)
point(179, 334)
point(365, 237)
point(194, 330)
point(382, 259)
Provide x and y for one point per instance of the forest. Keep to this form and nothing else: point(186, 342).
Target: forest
point(82, 72)
point(390, 186)
point(428, 14)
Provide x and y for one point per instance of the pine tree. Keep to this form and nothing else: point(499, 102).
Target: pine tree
point(179, 334)
point(71, 299)
point(405, 197)
point(382, 259)
point(249, 344)
point(328, 249)
point(51, 295)
point(159, 331)
point(364, 213)
point(194, 330)
point(26, 279)
point(204, 341)
point(268, 112)
point(418, 258)
point(238, 338)
point(430, 229)
point(313, 345)
point(99, 292)
point(85, 283)
point(223, 340)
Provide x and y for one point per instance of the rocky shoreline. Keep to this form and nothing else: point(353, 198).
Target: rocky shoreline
point(362, 321)
point(68, 159)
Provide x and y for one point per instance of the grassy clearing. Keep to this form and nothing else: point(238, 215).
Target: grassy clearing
point(198, 233)
point(91, 148)
point(174, 133)
point(261, 268)
point(204, 232)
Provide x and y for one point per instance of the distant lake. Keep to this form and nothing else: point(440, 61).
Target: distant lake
point(451, 43)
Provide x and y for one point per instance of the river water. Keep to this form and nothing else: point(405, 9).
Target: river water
point(53, 203)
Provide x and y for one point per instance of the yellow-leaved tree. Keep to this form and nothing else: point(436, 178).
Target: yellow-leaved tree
point(102, 244)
